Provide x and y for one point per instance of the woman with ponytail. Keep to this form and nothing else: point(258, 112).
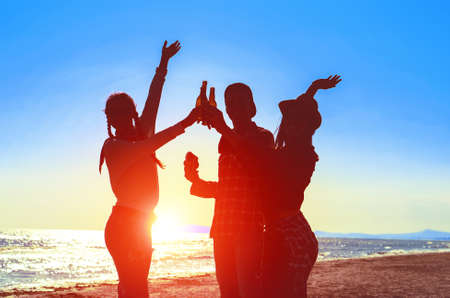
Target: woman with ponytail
point(132, 166)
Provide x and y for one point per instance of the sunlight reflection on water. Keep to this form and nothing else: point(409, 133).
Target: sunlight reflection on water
point(34, 259)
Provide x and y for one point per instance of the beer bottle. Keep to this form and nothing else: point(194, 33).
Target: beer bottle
point(212, 97)
point(202, 99)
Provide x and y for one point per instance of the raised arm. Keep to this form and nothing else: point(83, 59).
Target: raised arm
point(148, 117)
point(327, 83)
point(158, 140)
point(121, 154)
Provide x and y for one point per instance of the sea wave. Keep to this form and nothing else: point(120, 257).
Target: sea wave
point(39, 259)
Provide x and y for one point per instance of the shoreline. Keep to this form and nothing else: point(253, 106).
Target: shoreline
point(366, 276)
point(390, 254)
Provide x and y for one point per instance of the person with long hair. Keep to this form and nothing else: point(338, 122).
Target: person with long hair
point(290, 246)
point(132, 166)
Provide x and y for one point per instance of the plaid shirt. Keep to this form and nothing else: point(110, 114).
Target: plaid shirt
point(237, 193)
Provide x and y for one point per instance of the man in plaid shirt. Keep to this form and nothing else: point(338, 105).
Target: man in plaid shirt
point(237, 225)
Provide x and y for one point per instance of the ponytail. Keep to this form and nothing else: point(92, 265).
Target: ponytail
point(280, 140)
point(110, 134)
point(102, 153)
point(102, 158)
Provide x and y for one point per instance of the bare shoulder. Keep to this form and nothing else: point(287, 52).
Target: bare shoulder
point(111, 145)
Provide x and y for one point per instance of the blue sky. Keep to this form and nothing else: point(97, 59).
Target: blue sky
point(383, 145)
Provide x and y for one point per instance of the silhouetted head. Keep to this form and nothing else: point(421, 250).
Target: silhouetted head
point(299, 122)
point(239, 102)
point(120, 112)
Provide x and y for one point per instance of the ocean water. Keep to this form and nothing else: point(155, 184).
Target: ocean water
point(45, 259)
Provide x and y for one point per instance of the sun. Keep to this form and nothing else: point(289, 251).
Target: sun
point(166, 227)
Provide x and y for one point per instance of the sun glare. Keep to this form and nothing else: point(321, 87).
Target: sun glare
point(166, 227)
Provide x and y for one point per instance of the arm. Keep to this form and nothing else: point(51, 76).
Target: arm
point(204, 189)
point(158, 140)
point(310, 104)
point(148, 117)
point(327, 83)
point(199, 187)
point(129, 152)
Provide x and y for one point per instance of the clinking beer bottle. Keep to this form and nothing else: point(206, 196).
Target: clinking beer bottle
point(212, 97)
point(202, 99)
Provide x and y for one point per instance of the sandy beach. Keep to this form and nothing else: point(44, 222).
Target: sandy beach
point(423, 275)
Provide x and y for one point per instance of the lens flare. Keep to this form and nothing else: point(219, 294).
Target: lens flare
point(166, 227)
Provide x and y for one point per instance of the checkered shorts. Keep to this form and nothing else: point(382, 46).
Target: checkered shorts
point(299, 241)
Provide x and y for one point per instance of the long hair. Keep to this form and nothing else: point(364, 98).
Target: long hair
point(122, 105)
point(304, 112)
point(281, 131)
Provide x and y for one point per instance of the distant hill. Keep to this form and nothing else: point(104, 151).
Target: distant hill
point(422, 235)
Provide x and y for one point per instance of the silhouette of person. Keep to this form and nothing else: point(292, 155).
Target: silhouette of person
point(237, 225)
point(131, 161)
point(290, 246)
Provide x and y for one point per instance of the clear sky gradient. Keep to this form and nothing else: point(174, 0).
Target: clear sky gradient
point(384, 144)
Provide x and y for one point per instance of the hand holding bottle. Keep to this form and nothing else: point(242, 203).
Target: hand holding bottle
point(204, 102)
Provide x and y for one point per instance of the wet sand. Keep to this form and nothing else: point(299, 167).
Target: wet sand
point(423, 275)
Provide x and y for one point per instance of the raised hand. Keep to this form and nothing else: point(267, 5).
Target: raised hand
point(170, 51)
point(327, 83)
